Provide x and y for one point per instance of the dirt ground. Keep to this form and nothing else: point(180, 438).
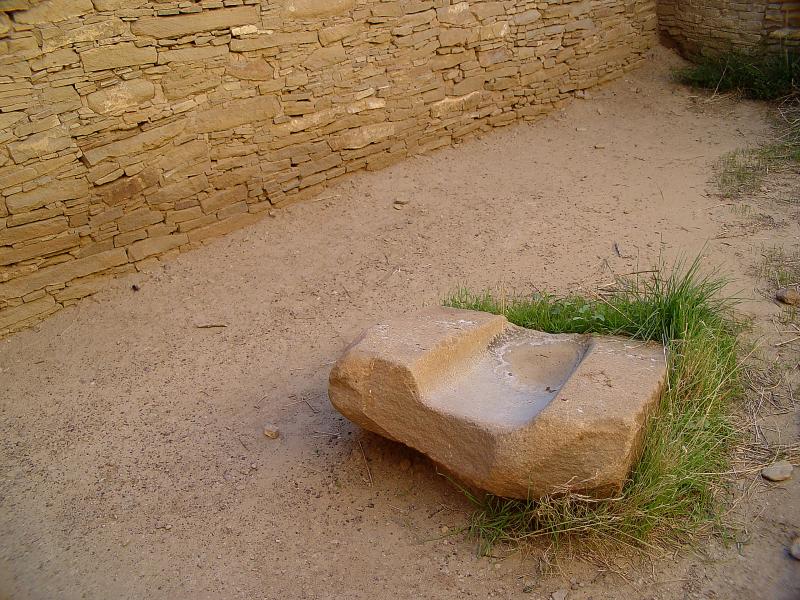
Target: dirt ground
point(132, 453)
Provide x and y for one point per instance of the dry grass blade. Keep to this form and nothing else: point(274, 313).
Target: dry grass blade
point(366, 462)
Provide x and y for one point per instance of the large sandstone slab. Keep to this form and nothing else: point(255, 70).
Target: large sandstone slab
point(53, 11)
point(147, 140)
point(125, 54)
point(62, 273)
point(41, 144)
point(31, 231)
point(57, 37)
point(355, 139)
point(9, 256)
point(117, 4)
point(313, 9)
point(123, 96)
point(260, 110)
point(519, 413)
point(14, 316)
point(57, 191)
point(177, 26)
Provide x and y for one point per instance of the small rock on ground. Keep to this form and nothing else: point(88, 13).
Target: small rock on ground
point(788, 296)
point(794, 549)
point(778, 471)
point(271, 431)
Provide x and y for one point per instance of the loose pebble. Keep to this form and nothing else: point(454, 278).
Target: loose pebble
point(788, 296)
point(778, 471)
point(271, 431)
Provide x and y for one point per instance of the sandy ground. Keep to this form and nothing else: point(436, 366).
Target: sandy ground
point(132, 457)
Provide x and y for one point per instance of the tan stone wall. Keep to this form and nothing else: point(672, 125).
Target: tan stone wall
point(713, 26)
point(131, 130)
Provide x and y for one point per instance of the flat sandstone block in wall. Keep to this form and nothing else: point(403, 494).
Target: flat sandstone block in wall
point(308, 9)
point(10, 255)
point(147, 140)
point(126, 95)
point(173, 27)
point(62, 273)
point(152, 246)
point(135, 129)
point(53, 11)
point(23, 233)
point(237, 113)
point(57, 191)
point(41, 145)
point(20, 314)
point(119, 55)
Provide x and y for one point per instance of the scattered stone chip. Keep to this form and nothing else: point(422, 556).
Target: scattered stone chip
point(778, 471)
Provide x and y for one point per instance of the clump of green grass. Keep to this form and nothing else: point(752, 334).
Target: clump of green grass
point(759, 75)
point(674, 490)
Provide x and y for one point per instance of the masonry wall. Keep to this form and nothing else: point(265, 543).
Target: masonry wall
point(132, 130)
point(714, 26)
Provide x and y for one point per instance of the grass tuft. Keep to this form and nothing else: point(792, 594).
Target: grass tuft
point(781, 267)
point(756, 75)
point(674, 490)
point(743, 171)
point(760, 76)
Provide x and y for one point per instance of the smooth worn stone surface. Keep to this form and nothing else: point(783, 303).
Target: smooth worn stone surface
point(517, 412)
point(778, 471)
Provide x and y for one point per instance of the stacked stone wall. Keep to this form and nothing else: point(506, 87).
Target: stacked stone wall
point(717, 26)
point(131, 130)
